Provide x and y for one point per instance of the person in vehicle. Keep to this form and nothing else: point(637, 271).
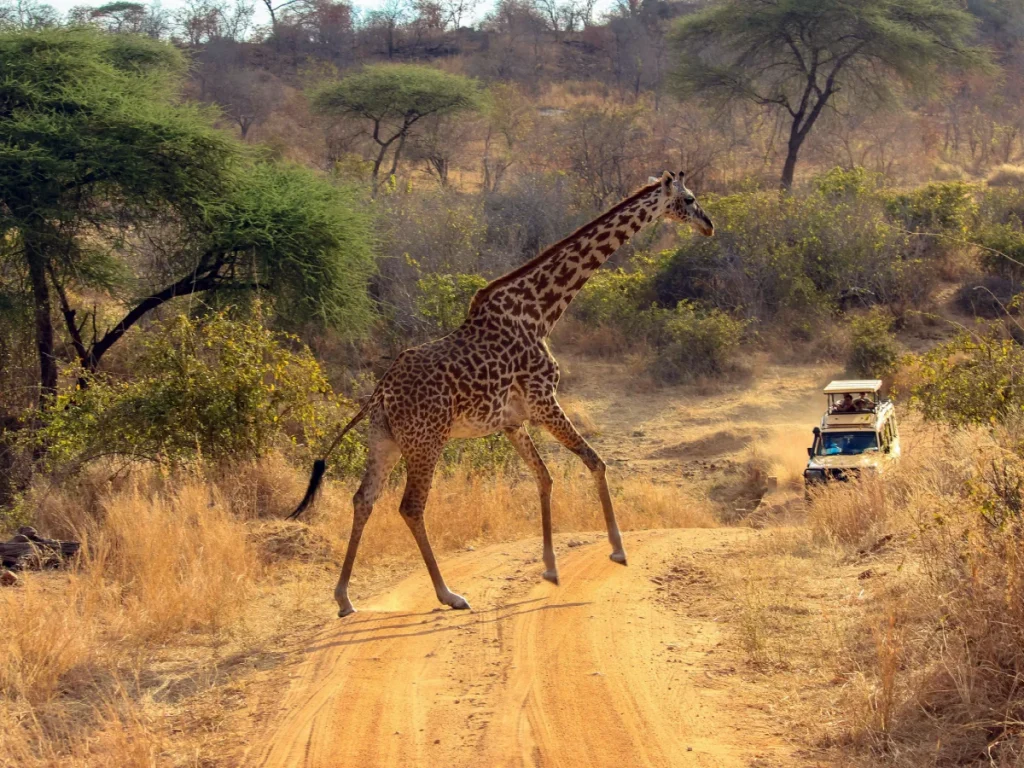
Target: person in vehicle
point(846, 404)
point(863, 403)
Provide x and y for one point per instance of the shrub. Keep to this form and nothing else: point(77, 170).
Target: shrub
point(946, 206)
point(1003, 252)
point(776, 257)
point(218, 389)
point(443, 300)
point(483, 455)
point(873, 350)
point(839, 183)
point(696, 343)
point(616, 298)
point(974, 379)
point(1006, 176)
point(991, 297)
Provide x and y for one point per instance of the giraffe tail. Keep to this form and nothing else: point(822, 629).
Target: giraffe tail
point(320, 465)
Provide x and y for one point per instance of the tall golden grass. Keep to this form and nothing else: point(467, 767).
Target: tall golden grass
point(104, 664)
point(935, 650)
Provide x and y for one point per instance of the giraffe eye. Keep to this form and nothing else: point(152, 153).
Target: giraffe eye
point(689, 200)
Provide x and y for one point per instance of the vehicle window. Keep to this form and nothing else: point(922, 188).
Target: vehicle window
point(847, 443)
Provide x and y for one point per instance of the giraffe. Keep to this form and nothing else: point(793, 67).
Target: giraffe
point(493, 374)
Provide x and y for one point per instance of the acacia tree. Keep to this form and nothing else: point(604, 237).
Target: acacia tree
point(393, 98)
point(96, 154)
point(797, 56)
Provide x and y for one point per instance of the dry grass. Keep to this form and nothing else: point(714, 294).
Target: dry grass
point(140, 655)
point(893, 624)
point(1006, 176)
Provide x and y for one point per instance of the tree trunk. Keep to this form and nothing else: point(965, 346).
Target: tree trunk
point(35, 255)
point(796, 139)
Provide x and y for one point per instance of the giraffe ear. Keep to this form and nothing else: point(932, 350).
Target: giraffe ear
point(653, 179)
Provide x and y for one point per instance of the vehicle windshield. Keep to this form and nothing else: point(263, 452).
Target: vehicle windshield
point(846, 443)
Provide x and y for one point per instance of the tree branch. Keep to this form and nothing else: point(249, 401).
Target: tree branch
point(75, 331)
point(196, 282)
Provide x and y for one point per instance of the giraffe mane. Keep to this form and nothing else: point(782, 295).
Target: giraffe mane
point(522, 269)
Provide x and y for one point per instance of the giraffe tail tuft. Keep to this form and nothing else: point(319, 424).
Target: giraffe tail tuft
point(315, 481)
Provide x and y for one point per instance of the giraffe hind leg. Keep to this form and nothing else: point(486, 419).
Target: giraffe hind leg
point(554, 420)
point(420, 474)
point(383, 455)
point(527, 450)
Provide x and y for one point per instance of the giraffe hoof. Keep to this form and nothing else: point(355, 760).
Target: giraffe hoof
point(618, 557)
point(457, 603)
point(551, 576)
point(343, 612)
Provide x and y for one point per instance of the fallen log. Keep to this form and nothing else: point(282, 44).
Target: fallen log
point(27, 549)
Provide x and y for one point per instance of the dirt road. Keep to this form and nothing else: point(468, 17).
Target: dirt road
point(611, 668)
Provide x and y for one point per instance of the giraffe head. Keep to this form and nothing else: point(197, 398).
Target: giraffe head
point(681, 205)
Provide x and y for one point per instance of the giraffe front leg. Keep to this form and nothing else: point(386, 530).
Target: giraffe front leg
point(527, 450)
point(554, 420)
point(383, 455)
point(420, 470)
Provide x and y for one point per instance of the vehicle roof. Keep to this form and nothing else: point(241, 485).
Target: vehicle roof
point(852, 385)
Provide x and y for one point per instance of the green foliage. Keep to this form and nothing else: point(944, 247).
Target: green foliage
point(292, 232)
point(873, 349)
point(88, 116)
point(1004, 254)
point(482, 455)
point(946, 207)
point(696, 343)
point(397, 92)
point(218, 390)
point(443, 300)
point(394, 97)
point(795, 56)
point(977, 378)
point(616, 298)
point(796, 255)
point(97, 151)
point(841, 183)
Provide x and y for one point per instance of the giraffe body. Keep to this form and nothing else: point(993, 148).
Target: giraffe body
point(493, 374)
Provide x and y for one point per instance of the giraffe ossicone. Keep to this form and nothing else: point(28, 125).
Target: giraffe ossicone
point(494, 374)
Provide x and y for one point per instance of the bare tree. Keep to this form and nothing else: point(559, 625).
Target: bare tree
point(248, 96)
point(323, 28)
point(440, 143)
point(27, 14)
point(456, 11)
point(387, 21)
point(201, 21)
point(603, 149)
point(509, 121)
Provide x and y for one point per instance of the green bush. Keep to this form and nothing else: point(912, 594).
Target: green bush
point(948, 207)
point(873, 349)
point(217, 390)
point(840, 183)
point(789, 256)
point(977, 378)
point(616, 298)
point(696, 343)
point(484, 455)
point(443, 300)
point(1003, 252)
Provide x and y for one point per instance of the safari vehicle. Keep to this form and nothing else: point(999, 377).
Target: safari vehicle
point(857, 434)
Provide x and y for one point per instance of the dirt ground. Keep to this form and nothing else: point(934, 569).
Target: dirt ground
point(617, 666)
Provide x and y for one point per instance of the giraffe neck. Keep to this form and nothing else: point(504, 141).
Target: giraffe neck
point(539, 292)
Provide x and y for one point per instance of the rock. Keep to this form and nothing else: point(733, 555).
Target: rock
point(8, 579)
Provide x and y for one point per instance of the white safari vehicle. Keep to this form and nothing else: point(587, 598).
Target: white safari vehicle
point(857, 434)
